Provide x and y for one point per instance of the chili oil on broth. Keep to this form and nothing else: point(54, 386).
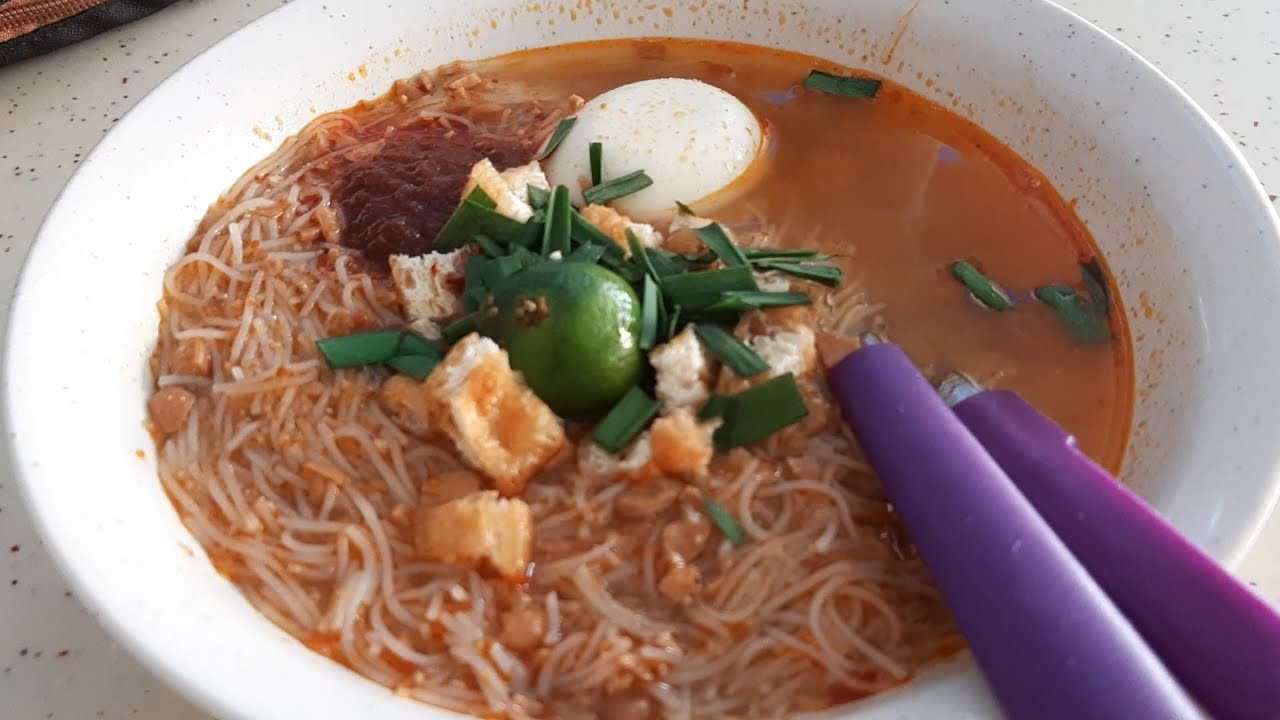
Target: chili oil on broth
point(302, 490)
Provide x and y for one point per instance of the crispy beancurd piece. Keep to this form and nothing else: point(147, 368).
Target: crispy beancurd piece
point(498, 424)
point(404, 400)
point(684, 371)
point(615, 225)
point(509, 189)
point(783, 338)
point(430, 288)
point(675, 445)
point(479, 529)
point(681, 445)
point(169, 409)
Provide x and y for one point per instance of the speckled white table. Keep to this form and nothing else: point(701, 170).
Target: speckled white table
point(54, 660)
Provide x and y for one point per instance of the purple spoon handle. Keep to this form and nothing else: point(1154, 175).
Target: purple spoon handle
point(1218, 638)
point(1052, 645)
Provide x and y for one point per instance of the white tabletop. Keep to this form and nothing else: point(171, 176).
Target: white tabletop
point(55, 663)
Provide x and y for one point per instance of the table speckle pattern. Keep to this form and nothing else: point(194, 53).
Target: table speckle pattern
point(55, 662)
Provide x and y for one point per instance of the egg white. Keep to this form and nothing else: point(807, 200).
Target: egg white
point(692, 139)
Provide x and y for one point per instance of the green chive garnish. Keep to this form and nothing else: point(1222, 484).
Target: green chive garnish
point(715, 407)
point(673, 320)
point(724, 520)
point(626, 420)
point(684, 209)
point(737, 355)
point(460, 328)
point(618, 187)
point(826, 274)
point(1095, 282)
point(359, 349)
point(758, 412)
point(557, 135)
point(718, 242)
point(411, 343)
point(640, 254)
point(980, 287)
point(738, 301)
point(758, 254)
point(1086, 327)
point(585, 253)
point(650, 309)
point(698, 290)
point(596, 151)
point(555, 236)
point(475, 216)
point(842, 85)
point(417, 367)
point(538, 197)
point(490, 246)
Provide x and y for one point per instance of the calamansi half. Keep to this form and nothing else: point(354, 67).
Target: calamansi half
point(572, 329)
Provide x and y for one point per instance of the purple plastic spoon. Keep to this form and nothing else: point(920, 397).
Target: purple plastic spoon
point(1220, 640)
point(1052, 645)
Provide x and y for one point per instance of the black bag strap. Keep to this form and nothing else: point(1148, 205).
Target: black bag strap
point(34, 27)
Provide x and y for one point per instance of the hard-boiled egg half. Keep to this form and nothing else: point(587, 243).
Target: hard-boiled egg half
point(692, 139)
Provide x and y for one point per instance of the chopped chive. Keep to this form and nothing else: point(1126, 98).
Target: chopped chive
point(473, 288)
point(738, 300)
point(557, 135)
point(1095, 282)
point(673, 320)
point(555, 236)
point(985, 291)
point(489, 246)
point(417, 367)
point(411, 343)
point(584, 232)
point(626, 420)
point(724, 520)
point(1086, 327)
point(758, 412)
point(525, 256)
point(460, 328)
point(596, 152)
point(640, 254)
point(538, 197)
point(666, 263)
point(756, 254)
point(632, 182)
point(842, 85)
point(737, 355)
point(359, 349)
point(480, 197)
point(714, 407)
point(826, 274)
point(585, 253)
point(650, 309)
point(684, 209)
point(718, 242)
point(697, 290)
point(473, 217)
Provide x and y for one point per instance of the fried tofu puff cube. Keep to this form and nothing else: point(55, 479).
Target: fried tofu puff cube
point(684, 371)
point(508, 189)
point(499, 426)
point(430, 288)
point(615, 225)
point(478, 529)
point(676, 445)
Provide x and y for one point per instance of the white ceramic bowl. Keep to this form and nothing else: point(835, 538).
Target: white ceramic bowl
point(1183, 222)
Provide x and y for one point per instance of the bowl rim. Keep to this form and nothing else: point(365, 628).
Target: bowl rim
point(192, 685)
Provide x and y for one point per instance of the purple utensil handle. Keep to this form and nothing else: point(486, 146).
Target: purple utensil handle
point(1052, 645)
point(1219, 639)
